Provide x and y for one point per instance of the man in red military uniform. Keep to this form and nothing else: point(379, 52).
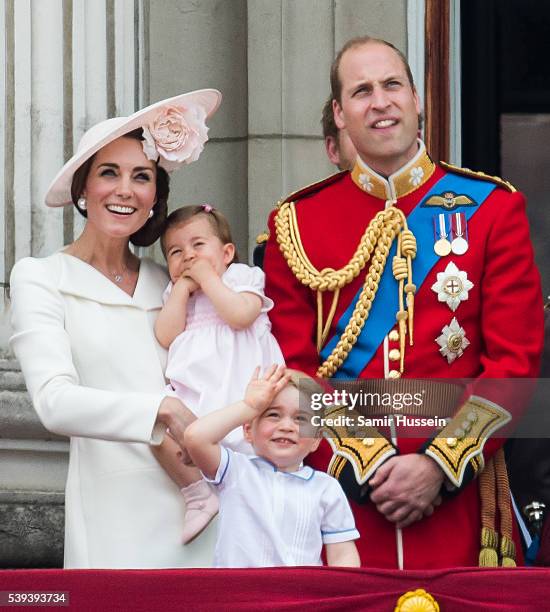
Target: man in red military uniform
point(459, 281)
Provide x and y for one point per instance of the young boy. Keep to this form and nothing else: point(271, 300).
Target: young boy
point(273, 510)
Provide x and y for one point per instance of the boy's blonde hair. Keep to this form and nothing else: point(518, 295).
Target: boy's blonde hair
point(215, 218)
point(305, 384)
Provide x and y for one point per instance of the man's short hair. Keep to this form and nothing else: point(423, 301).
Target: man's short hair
point(336, 85)
point(327, 121)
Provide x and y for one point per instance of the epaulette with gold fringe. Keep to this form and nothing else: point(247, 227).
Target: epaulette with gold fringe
point(479, 175)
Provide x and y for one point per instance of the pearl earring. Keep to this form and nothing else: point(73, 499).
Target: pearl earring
point(81, 203)
point(151, 213)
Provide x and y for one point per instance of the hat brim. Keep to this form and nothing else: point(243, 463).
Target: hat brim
point(59, 191)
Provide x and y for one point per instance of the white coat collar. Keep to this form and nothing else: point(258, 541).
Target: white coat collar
point(82, 280)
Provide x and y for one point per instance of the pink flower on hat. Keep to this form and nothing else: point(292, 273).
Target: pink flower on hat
point(176, 134)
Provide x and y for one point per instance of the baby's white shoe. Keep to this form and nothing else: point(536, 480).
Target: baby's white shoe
point(201, 506)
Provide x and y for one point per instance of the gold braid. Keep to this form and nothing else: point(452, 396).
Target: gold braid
point(378, 237)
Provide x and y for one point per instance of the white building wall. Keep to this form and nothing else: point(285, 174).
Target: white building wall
point(271, 60)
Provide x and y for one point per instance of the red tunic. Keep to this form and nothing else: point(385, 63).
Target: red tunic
point(502, 318)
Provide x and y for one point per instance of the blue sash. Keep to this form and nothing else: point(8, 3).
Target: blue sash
point(386, 303)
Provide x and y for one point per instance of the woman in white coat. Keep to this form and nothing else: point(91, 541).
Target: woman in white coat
point(83, 332)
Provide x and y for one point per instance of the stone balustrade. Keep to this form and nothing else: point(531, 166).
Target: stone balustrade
point(33, 464)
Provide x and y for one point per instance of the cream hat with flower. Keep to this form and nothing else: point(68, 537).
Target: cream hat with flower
point(174, 132)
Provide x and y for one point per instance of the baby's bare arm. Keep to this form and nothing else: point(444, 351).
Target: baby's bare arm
point(173, 315)
point(237, 309)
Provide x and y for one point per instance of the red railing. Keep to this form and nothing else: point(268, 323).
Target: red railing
point(296, 589)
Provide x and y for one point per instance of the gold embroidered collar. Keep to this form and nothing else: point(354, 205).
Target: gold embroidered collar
point(408, 178)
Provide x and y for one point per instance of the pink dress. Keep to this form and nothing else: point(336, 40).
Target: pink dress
point(210, 363)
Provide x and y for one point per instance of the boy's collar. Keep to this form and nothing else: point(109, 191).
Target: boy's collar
point(305, 472)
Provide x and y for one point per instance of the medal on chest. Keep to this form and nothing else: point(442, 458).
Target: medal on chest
point(459, 232)
point(452, 286)
point(442, 245)
point(452, 341)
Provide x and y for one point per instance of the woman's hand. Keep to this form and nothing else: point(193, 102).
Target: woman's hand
point(260, 392)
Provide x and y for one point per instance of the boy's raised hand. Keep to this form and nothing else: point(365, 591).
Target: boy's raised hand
point(260, 392)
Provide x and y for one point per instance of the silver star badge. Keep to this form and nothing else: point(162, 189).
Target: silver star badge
point(452, 286)
point(452, 341)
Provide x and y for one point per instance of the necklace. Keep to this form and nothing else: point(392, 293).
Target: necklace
point(118, 277)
